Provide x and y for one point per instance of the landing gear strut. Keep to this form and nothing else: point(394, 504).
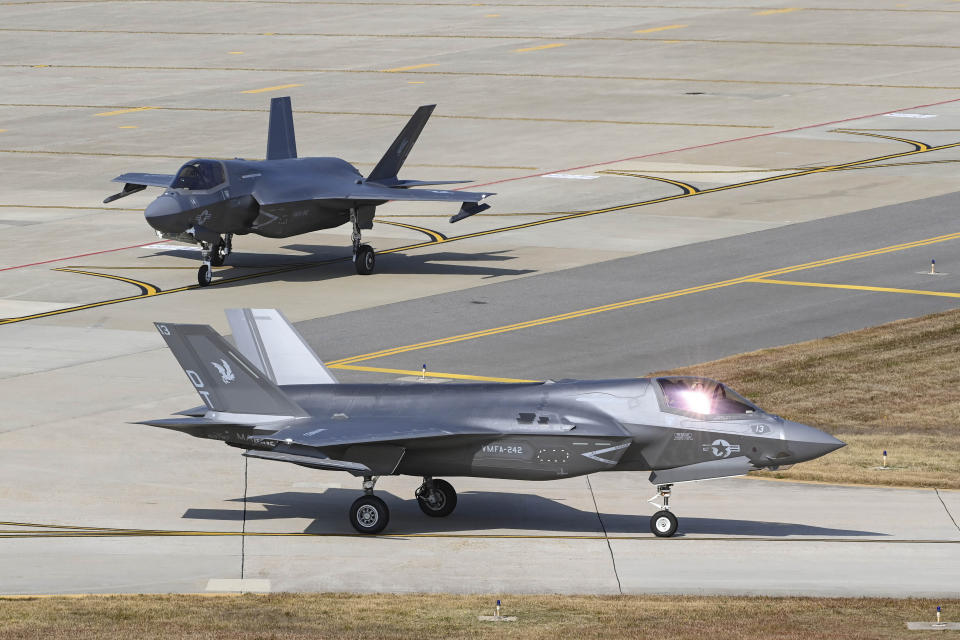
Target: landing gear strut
point(437, 498)
point(221, 250)
point(663, 524)
point(368, 513)
point(364, 258)
point(213, 255)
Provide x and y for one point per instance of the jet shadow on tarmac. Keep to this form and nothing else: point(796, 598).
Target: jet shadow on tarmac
point(514, 512)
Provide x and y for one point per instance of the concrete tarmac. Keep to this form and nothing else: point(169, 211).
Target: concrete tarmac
point(674, 184)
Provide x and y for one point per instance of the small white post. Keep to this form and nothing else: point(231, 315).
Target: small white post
point(498, 610)
point(933, 267)
point(423, 371)
point(884, 458)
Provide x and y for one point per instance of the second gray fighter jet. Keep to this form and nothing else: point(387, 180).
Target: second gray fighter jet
point(208, 201)
point(271, 394)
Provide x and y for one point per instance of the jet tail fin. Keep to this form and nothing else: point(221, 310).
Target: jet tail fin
point(270, 342)
point(225, 380)
point(393, 159)
point(281, 142)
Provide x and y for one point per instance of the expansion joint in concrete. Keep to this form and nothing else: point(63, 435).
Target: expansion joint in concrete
point(613, 559)
point(947, 509)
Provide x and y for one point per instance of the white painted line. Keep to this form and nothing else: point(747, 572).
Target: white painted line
point(909, 115)
point(241, 585)
point(569, 176)
point(170, 247)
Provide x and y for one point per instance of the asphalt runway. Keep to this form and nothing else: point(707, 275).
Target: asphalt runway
point(674, 184)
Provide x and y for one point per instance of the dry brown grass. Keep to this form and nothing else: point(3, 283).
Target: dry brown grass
point(424, 617)
point(894, 387)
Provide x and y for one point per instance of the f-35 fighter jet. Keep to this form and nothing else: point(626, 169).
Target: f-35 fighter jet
point(208, 201)
point(271, 395)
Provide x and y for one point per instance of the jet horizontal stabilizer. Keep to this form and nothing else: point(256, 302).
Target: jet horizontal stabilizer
point(327, 464)
point(206, 428)
point(704, 471)
point(468, 209)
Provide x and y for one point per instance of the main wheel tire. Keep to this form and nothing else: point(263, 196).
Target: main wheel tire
point(369, 514)
point(204, 275)
point(663, 524)
point(219, 253)
point(440, 502)
point(365, 260)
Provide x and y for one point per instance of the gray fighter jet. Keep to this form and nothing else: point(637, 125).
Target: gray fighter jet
point(208, 201)
point(271, 395)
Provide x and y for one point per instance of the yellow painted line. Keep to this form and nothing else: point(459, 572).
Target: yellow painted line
point(414, 81)
point(770, 12)
point(127, 126)
point(412, 67)
point(915, 292)
point(2, 130)
point(430, 374)
point(235, 53)
point(540, 48)
point(148, 289)
point(119, 111)
point(492, 15)
point(436, 236)
point(580, 313)
point(666, 28)
point(265, 89)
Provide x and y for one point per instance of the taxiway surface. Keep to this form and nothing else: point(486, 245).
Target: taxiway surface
point(672, 183)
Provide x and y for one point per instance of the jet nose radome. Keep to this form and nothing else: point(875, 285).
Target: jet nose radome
point(807, 443)
point(164, 214)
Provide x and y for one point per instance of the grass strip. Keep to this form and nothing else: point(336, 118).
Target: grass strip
point(388, 617)
point(894, 387)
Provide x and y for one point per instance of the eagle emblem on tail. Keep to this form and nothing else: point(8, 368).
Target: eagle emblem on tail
point(226, 373)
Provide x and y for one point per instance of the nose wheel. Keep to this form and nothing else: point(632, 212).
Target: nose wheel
point(437, 498)
point(663, 523)
point(368, 513)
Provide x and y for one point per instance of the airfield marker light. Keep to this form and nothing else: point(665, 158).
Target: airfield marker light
point(933, 266)
point(938, 614)
point(884, 458)
point(423, 371)
point(498, 611)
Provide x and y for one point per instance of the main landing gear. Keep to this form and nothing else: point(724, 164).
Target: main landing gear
point(436, 498)
point(369, 514)
point(663, 524)
point(364, 258)
point(214, 255)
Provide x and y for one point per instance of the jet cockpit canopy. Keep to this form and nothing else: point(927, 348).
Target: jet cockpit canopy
point(702, 396)
point(199, 175)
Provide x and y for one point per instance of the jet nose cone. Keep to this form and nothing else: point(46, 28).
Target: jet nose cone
point(808, 443)
point(164, 214)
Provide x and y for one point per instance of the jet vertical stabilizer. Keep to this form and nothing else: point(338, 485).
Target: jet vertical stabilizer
point(229, 385)
point(396, 155)
point(268, 340)
point(281, 143)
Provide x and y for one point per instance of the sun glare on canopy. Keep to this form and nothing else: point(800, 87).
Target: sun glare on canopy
point(703, 396)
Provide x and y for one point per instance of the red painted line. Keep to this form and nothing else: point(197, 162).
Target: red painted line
point(710, 144)
point(82, 255)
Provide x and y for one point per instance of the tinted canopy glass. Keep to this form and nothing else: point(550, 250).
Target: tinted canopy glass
point(703, 396)
point(199, 174)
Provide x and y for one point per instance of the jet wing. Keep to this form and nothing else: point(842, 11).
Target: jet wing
point(146, 179)
point(134, 182)
point(370, 191)
point(351, 431)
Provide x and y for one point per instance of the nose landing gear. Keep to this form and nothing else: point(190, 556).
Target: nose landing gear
point(364, 258)
point(663, 524)
point(213, 255)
